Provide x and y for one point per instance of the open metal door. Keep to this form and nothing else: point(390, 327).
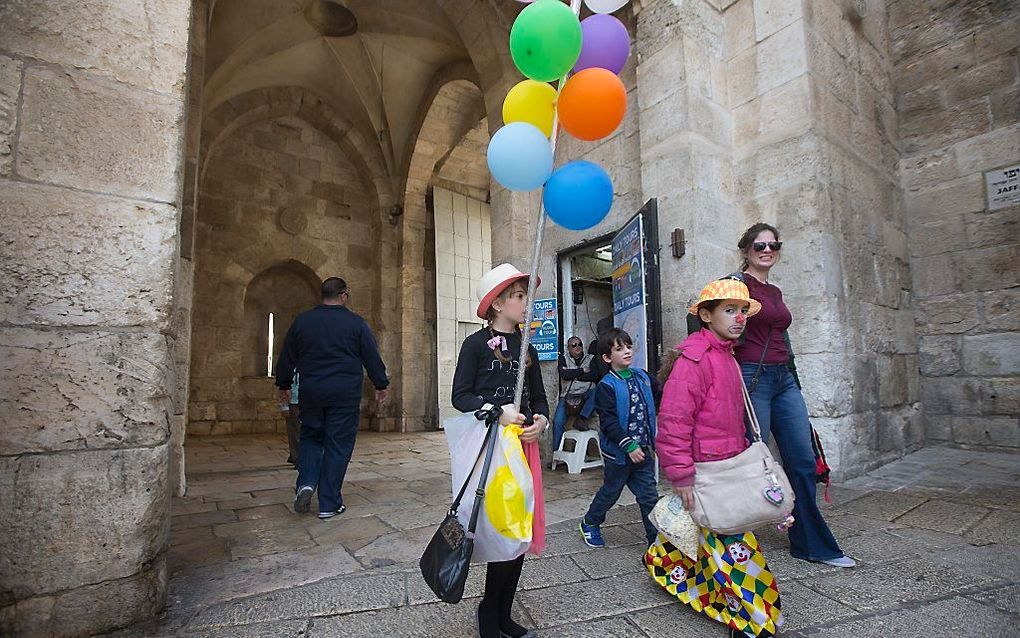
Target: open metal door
point(636, 304)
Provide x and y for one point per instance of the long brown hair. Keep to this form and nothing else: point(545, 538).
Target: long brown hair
point(748, 238)
point(490, 316)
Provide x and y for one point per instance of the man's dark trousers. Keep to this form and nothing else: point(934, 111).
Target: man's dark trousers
point(327, 443)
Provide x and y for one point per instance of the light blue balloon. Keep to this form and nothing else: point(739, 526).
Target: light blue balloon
point(520, 157)
point(578, 195)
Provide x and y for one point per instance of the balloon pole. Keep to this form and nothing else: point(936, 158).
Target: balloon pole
point(536, 252)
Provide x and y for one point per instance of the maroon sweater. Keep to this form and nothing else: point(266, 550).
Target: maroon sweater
point(774, 317)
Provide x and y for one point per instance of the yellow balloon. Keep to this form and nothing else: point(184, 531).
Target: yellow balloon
point(532, 102)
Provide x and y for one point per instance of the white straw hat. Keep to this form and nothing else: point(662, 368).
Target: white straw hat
point(495, 282)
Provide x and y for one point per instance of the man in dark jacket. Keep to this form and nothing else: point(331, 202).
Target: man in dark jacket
point(329, 346)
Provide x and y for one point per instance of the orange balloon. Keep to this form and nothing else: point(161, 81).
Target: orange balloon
point(592, 104)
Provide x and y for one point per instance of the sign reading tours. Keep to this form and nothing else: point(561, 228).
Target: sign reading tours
point(545, 329)
point(1003, 187)
point(629, 310)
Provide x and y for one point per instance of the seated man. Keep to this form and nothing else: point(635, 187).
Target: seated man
point(576, 369)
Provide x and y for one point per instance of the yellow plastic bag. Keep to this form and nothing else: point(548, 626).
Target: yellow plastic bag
point(505, 523)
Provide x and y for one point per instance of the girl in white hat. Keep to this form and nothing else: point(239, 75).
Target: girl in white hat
point(486, 376)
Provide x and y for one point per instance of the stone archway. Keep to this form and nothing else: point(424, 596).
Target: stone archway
point(275, 187)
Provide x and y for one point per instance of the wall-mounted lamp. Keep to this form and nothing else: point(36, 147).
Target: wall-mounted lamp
point(678, 243)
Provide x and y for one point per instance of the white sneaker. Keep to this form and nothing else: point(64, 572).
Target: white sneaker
point(303, 499)
point(843, 561)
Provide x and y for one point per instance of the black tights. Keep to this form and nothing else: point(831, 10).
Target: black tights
point(501, 580)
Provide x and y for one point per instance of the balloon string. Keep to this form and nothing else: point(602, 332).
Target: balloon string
point(536, 251)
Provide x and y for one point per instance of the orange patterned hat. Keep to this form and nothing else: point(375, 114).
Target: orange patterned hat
point(726, 289)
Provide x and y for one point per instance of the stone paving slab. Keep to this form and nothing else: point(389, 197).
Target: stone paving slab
point(583, 601)
point(224, 581)
point(999, 527)
point(883, 506)
point(263, 630)
point(328, 598)
point(943, 516)
point(953, 617)
point(872, 588)
point(804, 606)
point(612, 561)
point(421, 621)
point(1005, 599)
point(552, 571)
point(670, 619)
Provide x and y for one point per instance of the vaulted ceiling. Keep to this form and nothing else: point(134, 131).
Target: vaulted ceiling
point(381, 78)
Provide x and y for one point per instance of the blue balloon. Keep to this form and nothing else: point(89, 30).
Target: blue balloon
point(578, 195)
point(520, 157)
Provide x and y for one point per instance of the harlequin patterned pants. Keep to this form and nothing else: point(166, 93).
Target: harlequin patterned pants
point(729, 582)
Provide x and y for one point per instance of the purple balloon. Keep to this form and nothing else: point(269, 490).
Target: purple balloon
point(605, 43)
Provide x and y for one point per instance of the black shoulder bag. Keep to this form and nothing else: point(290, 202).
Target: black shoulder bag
point(446, 559)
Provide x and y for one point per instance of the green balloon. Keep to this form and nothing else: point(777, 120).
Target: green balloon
point(545, 40)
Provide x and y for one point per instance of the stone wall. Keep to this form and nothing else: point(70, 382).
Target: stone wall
point(91, 120)
point(281, 207)
point(958, 97)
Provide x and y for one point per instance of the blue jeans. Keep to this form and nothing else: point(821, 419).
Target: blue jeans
point(327, 443)
point(781, 411)
point(559, 423)
point(640, 478)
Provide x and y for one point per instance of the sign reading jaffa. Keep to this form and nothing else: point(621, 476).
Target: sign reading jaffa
point(545, 330)
point(1003, 187)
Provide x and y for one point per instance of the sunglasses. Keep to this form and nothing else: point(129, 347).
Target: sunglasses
point(573, 345)
point(759, 246)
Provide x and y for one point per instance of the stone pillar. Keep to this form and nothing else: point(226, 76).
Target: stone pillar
point(91, 135)
point(685, 139)
point(184, 277)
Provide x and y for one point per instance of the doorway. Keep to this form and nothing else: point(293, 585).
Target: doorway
point(613, 281)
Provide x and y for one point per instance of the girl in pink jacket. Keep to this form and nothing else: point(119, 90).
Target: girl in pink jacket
point(701, 418)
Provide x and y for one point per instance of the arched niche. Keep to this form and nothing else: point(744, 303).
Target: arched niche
point(284, 290)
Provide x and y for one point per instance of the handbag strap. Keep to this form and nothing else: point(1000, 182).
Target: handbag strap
point(463, 488)
point(480, 490)
point(761, 363)
point(748, 406)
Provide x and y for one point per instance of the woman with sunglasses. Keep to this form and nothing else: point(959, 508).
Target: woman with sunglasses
point(764, 355)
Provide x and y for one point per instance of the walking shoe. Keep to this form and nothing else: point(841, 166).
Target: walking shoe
point(323, 516)
point(591, 534)
point(843, 561)
point(303, 499)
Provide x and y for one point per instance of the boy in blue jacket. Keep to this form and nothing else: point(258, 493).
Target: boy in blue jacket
point(626, 407)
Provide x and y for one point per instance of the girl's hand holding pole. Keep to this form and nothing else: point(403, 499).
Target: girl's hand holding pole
point(531, 432)
point(511, 415)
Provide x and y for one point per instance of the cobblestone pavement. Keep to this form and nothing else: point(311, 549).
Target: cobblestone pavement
point(935, 534)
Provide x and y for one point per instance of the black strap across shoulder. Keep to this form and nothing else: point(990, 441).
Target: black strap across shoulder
point(761, 364)
point(488, 446)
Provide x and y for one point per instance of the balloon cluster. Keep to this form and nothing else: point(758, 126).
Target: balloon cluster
point(548, 42)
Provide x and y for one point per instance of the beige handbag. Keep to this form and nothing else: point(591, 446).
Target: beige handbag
point(738, 494)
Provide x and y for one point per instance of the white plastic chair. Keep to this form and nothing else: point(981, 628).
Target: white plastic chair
point(576, 457)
